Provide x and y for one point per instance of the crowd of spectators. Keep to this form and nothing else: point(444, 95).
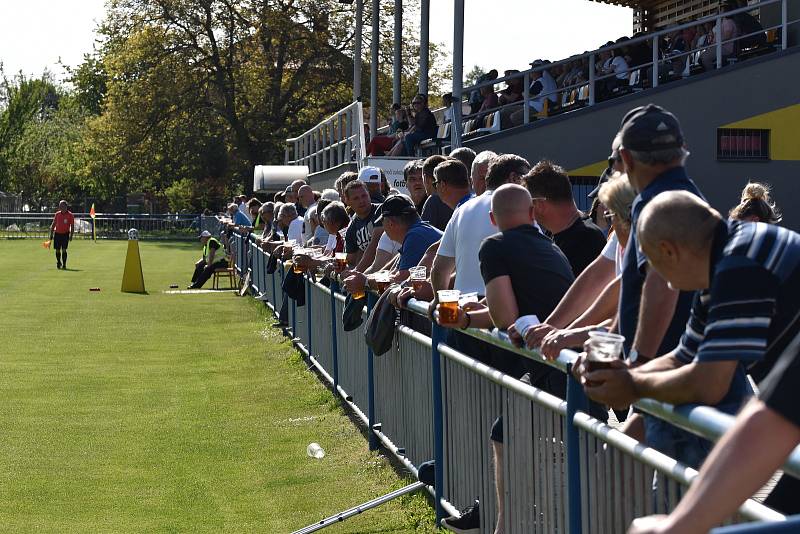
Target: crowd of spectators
point(706, 305)
point(621, 65)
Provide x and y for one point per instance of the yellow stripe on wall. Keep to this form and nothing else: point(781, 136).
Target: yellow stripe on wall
point(784, 126)
point(595, 169)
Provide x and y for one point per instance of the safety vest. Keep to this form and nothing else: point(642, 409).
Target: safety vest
point(206, 248)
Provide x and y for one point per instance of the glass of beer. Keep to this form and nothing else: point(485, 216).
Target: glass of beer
point(358, 295)
point(448, 306)
point(418, 276)
point(341, 261)
point(602, 349)
point(382, 280)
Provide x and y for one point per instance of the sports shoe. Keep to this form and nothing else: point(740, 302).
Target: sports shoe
point(58, 265)
point(468, 523)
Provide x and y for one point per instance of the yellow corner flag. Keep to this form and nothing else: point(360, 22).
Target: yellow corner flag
point(132, 277)
point(93, 215)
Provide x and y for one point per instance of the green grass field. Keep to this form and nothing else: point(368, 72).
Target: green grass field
point(166, 413)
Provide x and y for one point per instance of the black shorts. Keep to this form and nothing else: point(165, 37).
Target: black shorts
point(61, 241)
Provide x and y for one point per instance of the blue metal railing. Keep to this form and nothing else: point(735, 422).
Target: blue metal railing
point(704, 421)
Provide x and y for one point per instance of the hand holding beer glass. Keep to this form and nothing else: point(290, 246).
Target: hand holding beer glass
point(602, 351)
point(383, 280)
point(448, 306)
point(417, 277)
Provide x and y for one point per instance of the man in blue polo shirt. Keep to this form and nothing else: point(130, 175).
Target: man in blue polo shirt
point(744, 315)
point(402, 224)
point(651, 315)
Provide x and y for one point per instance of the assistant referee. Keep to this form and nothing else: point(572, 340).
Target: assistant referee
point(61, 233)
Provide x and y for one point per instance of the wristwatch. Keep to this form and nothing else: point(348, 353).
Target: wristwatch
point(634, 356)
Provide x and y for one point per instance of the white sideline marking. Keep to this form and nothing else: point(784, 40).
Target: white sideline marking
point(197, 291)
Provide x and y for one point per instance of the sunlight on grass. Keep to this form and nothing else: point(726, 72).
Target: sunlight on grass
point(166, 412)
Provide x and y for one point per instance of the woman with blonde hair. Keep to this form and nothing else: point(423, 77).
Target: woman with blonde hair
point(756, 205)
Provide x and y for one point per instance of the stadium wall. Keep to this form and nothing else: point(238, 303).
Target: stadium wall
point(761, 93)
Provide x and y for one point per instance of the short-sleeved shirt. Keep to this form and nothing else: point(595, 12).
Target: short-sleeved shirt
point(64, 221)
point(613, 252)
point(419, 237)
point(462, 239)
point(308, 230)
point(634, 262)
point(540, 276)
point(296, 231)
point(436, 212)
point(359, 232)
point(750, 312)
point(241, 219)
point(581, 243)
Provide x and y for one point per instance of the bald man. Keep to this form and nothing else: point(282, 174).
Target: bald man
point(525, 274)
point(745, 318)
point(305, 197)
point(744, 315)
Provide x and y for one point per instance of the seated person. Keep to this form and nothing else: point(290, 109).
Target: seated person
point(213, 259)
point(543, 87)
point(514, 87)
point(476, 96)
point(743, 318)
point(708, 58)
point(423, 127)
point(380, 144)
point(447, 103)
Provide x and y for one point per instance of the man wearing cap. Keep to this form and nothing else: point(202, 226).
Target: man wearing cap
point(372, 177)
point(402, 224)
point(652, 316)
point(213, 258)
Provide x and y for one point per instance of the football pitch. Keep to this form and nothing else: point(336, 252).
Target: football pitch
point(166, 412)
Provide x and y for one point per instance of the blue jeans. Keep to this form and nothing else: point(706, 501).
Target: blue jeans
point(679, 444)
point(410, 141)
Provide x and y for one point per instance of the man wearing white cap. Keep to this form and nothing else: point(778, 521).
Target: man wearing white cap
point(372, 177)
point(213, 258)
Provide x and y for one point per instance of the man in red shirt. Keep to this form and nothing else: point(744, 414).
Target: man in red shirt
point(61, 233)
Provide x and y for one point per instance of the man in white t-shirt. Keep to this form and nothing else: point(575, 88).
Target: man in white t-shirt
point(470, 224)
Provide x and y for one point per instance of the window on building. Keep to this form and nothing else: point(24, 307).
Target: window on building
point(742, 144)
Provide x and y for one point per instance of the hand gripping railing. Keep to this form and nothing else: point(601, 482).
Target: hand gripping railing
point(564, 470)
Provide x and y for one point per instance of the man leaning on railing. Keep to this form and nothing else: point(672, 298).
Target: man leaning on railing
point(745, 315)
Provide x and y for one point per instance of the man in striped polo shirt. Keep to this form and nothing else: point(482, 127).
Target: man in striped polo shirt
point(746, 316)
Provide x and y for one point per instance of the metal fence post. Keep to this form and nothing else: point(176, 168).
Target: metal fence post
point(438, 335)
point(592, 92)
point(334, 342)
point(308, 313)
point(784, 25)
point(655, 62)
point(719, 42)
point(576, 401)
point(373, 439)
point(526, 98)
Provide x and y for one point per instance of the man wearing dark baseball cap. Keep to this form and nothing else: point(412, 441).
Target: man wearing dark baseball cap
point(403, 225)
point(652, 316)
